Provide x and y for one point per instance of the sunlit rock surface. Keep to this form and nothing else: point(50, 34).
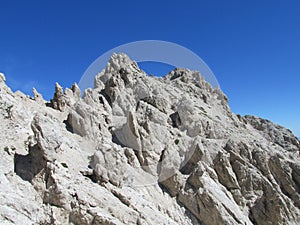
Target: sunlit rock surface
point(143, 150)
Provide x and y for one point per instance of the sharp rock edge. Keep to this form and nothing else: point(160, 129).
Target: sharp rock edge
point(137, 149)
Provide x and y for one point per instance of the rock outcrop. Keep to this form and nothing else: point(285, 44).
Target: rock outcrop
point(143, 150)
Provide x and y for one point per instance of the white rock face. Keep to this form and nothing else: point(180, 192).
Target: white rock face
point(2, 78)
point(143, 150)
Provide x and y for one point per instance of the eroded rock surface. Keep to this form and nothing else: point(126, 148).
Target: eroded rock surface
point(143, 150)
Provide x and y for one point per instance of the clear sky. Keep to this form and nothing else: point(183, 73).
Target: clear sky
point(253, 47)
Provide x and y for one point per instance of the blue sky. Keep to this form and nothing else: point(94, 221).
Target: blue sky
point(253, 47)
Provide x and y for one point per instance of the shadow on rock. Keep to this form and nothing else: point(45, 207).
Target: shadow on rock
point(28, 166)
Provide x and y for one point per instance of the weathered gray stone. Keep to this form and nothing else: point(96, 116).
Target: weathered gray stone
point(143, 150)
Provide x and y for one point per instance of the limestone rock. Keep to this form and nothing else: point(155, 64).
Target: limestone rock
point(76, 91)
point(37, 96)
point(58, 102)
point(143, 150)
point(275, 133)
point(2, 78)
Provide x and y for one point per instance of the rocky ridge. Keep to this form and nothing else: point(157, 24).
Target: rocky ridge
point(143, 150)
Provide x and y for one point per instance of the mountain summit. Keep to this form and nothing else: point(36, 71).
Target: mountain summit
point(138, 149)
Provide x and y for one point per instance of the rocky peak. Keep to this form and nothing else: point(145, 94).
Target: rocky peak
point(2, 78)
point(143, 150)
point(119, 66)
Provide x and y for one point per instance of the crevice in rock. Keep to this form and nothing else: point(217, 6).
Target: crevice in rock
point(159, 165)
point(190, 186)
point(92, 177)
point(106, 96)
point(122, 198)
point(101, 99)
point(232, 214)
point(191, 162)
point(28, 166)
point(175, 120)
point(124, 76)
point(251, 218)
point(164, 189)
point(68, 126)
point(140, 157)
point(138, 105)
point(48, 104)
